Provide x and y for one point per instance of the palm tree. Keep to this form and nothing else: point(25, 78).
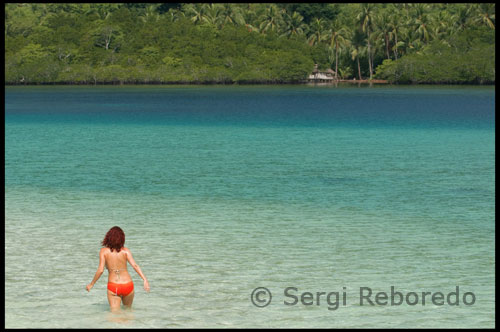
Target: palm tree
point(423, 23)
point(337, 37)
point(463, 16)
point(485, 13)
point(175, 14)
point(384, 28)
point(365, 18)
point(357, 48)
point(443, 25)
point(249, 16)
point(103, 10)
point(231, 13)
point(420, 20)
point(293, 24)
point(414, 42)
point(197, 12)
point(395, 30)
point(271, 19)
point(213, 15)
point(150, 13)
point(377, 46)
point(317, 28)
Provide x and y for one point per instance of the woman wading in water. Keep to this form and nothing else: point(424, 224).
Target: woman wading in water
point(115, 257)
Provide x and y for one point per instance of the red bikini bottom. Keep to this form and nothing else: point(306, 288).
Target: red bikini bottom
point(121, 289)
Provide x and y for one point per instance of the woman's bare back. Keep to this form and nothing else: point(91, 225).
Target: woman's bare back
point(116, 262)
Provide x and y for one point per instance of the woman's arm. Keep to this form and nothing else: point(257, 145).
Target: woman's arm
point(100, 270)
point(137, 269)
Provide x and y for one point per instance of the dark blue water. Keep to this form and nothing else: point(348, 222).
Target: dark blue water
point(463, 107)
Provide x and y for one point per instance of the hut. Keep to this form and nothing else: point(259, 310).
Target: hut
point(318, 76)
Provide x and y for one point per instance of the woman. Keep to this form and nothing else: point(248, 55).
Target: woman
point(115, 257)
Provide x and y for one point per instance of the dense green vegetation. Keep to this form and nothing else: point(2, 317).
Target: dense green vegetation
point(469, 58)
point(247, 43)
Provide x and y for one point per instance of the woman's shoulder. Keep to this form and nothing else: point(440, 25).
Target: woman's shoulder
point(104, 250)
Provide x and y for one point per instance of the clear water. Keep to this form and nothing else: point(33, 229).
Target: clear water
point(224, 189)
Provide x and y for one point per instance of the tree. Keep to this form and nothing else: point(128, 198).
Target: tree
point(101, 11)
point(196, 11)
point(311, 11)
point(337, 38)
point(213, 15)
point(443, 26)
point(20, 19)
point(383, 26)
point(365, 18)
point(150, 14)
point(32, 53)
point(150, 55)
point(461, 19)
point(485, 14)
point(231, 13)
point(357, 48)
point(250, 16)
point(422, 21)
point(107, 35)
point(293, 25)
point(271, 19)
point(396, 29)
point(317, 31)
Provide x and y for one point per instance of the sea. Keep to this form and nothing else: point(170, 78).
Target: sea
point(267, 206)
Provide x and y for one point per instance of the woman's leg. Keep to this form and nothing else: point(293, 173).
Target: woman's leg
point(127, 300)
point(114, 301)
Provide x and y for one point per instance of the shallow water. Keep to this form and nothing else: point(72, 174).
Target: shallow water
point(221, 190)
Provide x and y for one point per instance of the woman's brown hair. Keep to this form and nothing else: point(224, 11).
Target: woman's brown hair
point(114, 239)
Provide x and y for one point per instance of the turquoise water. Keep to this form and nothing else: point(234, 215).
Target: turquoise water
point(221, 190)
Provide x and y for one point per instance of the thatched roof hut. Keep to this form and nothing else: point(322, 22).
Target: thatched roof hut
point(321, 76)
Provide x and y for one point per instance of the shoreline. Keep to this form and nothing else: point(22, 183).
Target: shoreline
point(332, 83)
